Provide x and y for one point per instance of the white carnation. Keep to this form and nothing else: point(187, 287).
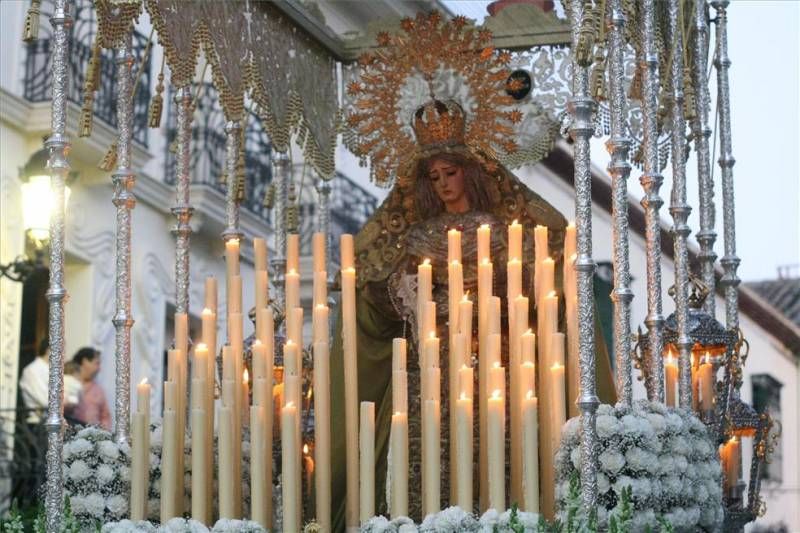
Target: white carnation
point(118, 505)
point(575, 457)
point(611, 461)
point(603, 483)
point(79, 470)
point(607, 426)
point(641, 460)
point(77, 447)
point(571, 428)
point(95, 505)
point(108, 450)
point(105, 474)
point(657, 421)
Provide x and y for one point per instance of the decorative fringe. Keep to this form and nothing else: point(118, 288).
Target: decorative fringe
point(31, 31)
point(85, 122)
point(597, 80)
point(269, 197)
point(109, 160)
point(93, 72)
point(292, 218)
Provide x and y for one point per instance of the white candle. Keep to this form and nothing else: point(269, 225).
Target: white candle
point(399, 444)
point(211, 294)
point(320, 296)
point(201, 480)
point(140, 453)
point(170, 450)
point(290, 462)
point(453, 245)
point(350, 389)
point(558, 403)
point(226, 494)
point(424, 292)
point(262, 289)
point(527, 377)
point(530, 461)
point(706, 384)
point(232, 257)
point(346, 248)
point(515, 240)
point(399, 354)
point(431, 463)
point(367, 462)
point(484, 243)
point(318, 252)
point(235, 294)
point(293, 252)
point(258, 479)
point(322, 433)
point(541, 251)
point(400, 391)
point(546, 275)
point(496, 451)
point(292, 289)
point(463, 434)
point(320, 324)
point(465, 326)
point(259, 254)
point(294, 325)
point(671, 378)
point(528, 347)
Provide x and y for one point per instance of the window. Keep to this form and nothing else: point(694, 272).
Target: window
point(767, 399)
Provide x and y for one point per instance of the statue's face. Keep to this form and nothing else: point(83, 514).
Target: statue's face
point(448, 182)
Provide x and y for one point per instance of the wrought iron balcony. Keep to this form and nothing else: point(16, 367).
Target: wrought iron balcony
point(37, 83)
point(350, 203)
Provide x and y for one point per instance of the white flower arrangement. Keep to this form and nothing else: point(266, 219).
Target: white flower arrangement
point(92, 466)
point(97, 480)
point(664, 456)
point(182, 525)
point(455, 519)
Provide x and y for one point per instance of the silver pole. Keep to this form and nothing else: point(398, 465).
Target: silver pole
point(324, 216)
point(280, 176)
point(680, 210)
point(58, 145)
point(619, 168)
point(233, 138)
point(582, 108)
point(651, 181)
point(701, 133)
point(123, 179)
point(730, 262)
point(182, 208)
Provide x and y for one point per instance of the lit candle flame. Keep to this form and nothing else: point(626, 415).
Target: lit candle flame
point(455, 262)
point(426, 261)
point(256, 342)
point(557, 366)
point(552, 294)
point(288, 404)
point(515, 223)
point(245, 377)
point(201, 346)
point(496, 364)
point(432, 335)
point(529, 332)
point(305, 449)
point(143, 382)
point(207, 311)
point(463, 396)
point(528, 364)
point(495, 394)
point(292, 272)
point(530, 395)
point(465, 298)
point(485, 260)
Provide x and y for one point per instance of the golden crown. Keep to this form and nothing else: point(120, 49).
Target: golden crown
point(439, 124)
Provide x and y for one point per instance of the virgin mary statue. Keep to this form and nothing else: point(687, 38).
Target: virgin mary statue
point(442, 161)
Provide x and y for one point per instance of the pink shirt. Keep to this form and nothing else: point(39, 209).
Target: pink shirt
point(93, 408)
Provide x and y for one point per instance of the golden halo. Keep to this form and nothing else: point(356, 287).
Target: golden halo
point(426, 46)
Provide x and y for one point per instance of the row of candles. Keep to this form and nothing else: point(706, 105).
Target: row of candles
point(534, 438)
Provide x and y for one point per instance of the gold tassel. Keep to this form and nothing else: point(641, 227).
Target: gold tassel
point(269, 197)
point(109, 160)
point(157, 103)
point(93, 72)
point(85, 122)
point(31, 31)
